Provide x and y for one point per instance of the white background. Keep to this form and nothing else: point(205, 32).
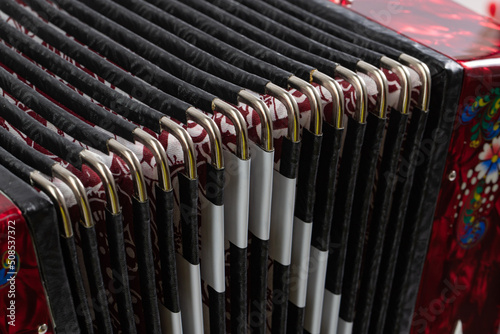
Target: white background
point(480, 6)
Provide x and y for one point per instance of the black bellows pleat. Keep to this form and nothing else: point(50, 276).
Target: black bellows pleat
point(281, 282)
point(217, 318)
point(95, 63)
point(325, 187)
point(202, 15)
point(257, 283)
point(121, 286)
point(381, 209)
point(281, 272)
point(360, 211)
point(306, 177)
point(76, 285)
point(97, 289)
point(395, 226)
point(142, 234)
point(165, 225)
point(171, 44)
point(188, 193)
point(289, 158)
point(214, 190)
point(304, 209)
point(349, 165)
point(238, 295)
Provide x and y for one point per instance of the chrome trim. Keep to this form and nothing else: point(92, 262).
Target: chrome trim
point(425, 76)
point(337, 96)
point(134, 166)
point(239, 125)
point(93, 161)
point(39, 181)
point(262, 110)
point(312, 94)
point(292, 109)
point(361, 93)
point(213, 133)
point(404, 81)
point(78, 191)
point(381, 81)
point(186, 142)
point(155, 147)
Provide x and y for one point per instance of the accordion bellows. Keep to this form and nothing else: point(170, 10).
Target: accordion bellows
point(240, 166)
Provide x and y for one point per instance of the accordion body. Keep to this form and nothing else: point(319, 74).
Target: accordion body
point(461, 256)
point(298, 204)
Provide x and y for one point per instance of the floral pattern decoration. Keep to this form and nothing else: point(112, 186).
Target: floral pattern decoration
point(483, 118)
point(490, 163)
point(484, 111)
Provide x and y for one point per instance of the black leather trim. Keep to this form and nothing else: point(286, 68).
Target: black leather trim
point(348, 171)
point(203, 17)
point(330, 27)
point(144, 249)
point(295, 320)
point(19, 168)
point(214, 188)
point(25, 153)
point(124, 58)
point(280, 293)
point(306, 178)
point(166, 244)
point(77, 287)
point(112, 99)
point(172, 74)
point(257, 283)
point(325, 186)
point(290, 35)
point(188, 193)
point(178, 47)
point(100, 305)
point(95, 63)
point(238, 288)
point(380, 216)
point(228, 18)
point(41, 219)
point(205, 41)
point(396, 223)
point(290, 153)
point(121, 286)
point(40, 134)
point(53, 113)
point(217, 311)
point(66, 96)
point(360, 211)
point(314, 33)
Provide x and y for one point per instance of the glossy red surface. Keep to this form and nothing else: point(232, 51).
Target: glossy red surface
point(20, 282)
point(443, 25)
point(465, 244)
point(462, 268)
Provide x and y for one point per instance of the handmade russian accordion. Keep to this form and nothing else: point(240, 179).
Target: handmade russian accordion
point(248, 166)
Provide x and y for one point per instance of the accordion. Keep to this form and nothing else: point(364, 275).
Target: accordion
point(248, 166)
